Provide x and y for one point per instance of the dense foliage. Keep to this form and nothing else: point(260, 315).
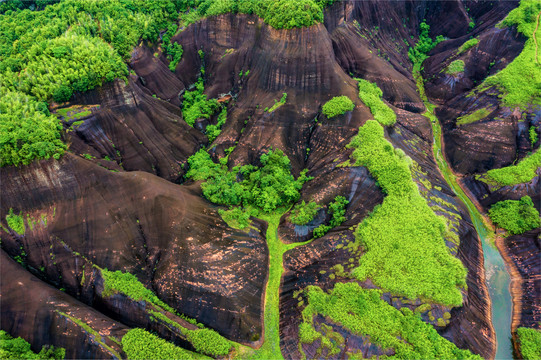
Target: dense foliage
point(364, 313)
point(18, 348)
point(235, 217)
point(208, 342)
point(401, 226)
point(530, 343)
point(266, 187)
point(456, 67)
point(303, 213)
point(533, 135)
point(337, 209)
point(521, 173)
point(372, 95)
point(196, 104)
point(129, 285)
point(419, 53)
point(338, 105)
point(139, 344)
point(15, 222)
point(27, 130)
point(519, 89)
point(515, 216)
point(213, 130)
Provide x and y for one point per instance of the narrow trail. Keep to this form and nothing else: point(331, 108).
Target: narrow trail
point(496, 270)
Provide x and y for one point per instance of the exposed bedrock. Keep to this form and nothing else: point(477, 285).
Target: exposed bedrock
point(44, 315)
point(165, 234)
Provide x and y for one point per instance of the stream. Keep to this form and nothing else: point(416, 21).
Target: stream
point(497, 276)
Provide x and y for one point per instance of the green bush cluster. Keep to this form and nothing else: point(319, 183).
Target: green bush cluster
point(364, 313)
point(208, 342)
point(533, 135)
point(467, 45)
point(27, 130)
point(214, 130)
point(235, 217)
point(18, 348)
point(521, 173)
point(128, 284)
point(173, 50)
point(456, 67)
point(337, 209)
point(303, 213)
point(280, 14)
point(401, 226)
point(196, 104)
point(372, 95)
point(267, 187)
point(515, 216)
point(139, 344)
point(418, 54)
point(473, 117)
point(338, 105)
point(277, 104)
point(517, 89)
point(15, 222)
point(530, 343)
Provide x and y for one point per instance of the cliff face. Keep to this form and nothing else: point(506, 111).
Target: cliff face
point(124, 210)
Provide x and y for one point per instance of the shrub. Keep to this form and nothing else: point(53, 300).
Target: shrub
point(235, 218)
point(467, 45)
point(139, 344)
point(287, 14)
point(174, 53)
point(521, 173)
point(18, 348)
point(533, 135)
point(424, 45)
point(530, 343)
point(15, 222)
point(303, 213)
point(209, 342)
point(456, 67)
point(337, 209)
point(213, 131)
point(364, 313)
point(196, 105)
point(338, 105)
point(402, 225)
point(372, 95)
point(515, 216)
point(277, 104)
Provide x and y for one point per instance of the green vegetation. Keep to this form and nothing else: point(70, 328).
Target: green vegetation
point(173, 50)
point(518, 89)
point(521, 173)
point(530, 343)
point(533, 135)
point(338, 105)
point(196, 105)
point(338, 210)
point(456, 67)
point(266, 188)
point(364, 313)
point(18, 348)
point(27, 130)
point(15, 222)
point(277, 104)
point(403, 225)
point(129, 285)
point(303, 213)
point(515, 216)
point(139, 344)
point(467, 45)
point(213, 131)
point(372, 95)
point(235, 218)
point(418, 54)
point(473, 117)
point(208, 342)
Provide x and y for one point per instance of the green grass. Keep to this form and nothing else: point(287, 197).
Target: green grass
point(364, 313)
point(521, 173)
point(277, 103)
point(515, 216)
point(473, 117)
point(18, 348)
point(467, 45)
point(16, 222)
point(518, 89)
point(338, 105)
point(139, 344)
point(530, 343)
point(456, 67)
point(403, 225)
point(372, 96)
